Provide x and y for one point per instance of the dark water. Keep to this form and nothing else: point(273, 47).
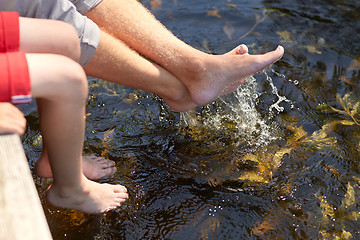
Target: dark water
point(289, 172)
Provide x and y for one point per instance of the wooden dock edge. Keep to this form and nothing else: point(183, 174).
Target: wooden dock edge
point(21, 213)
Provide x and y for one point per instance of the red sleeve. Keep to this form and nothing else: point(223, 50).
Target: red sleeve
point(9, 31)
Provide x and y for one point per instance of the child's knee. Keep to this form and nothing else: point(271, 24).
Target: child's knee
point(72, 42)
point(56, 77)
point(69, 42)
point(74, 83)
point(78, 81)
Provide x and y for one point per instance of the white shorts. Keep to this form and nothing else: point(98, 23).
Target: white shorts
point(70, 11)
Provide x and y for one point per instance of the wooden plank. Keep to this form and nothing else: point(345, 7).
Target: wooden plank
point(21, 213)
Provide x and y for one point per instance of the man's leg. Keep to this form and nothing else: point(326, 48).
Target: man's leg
point(62, 86)
point(205, 76)
point(114, 61)
point(58, 38)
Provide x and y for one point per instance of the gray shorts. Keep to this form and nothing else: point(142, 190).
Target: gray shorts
point(70, 11)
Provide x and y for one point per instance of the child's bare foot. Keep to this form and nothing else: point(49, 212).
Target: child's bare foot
point(93, 167)
point(90, 197)
point(208, 76)
point(97, 167)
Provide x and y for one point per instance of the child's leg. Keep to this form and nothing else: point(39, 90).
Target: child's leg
point(62, 86)
point(51, 37)
point(93, 167)
point(59, 38)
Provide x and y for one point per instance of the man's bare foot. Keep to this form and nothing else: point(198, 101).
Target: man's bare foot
point(93, 167)
point(174, 92)
point(208, 76)
point(90, 197)
point(186, 103)
point(180, 105)
point(239, 50)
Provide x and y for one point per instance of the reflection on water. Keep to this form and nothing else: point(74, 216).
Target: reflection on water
point(278, 159)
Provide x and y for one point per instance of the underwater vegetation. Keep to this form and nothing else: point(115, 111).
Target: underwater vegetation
point(277, 159)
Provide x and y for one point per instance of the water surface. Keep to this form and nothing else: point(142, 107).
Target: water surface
point(278, 159)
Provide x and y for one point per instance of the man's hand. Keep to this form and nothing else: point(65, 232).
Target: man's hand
point(12, 120)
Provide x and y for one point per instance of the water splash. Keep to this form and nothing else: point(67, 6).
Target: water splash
point(249, 123)
point(275, 91)
point(236, 114)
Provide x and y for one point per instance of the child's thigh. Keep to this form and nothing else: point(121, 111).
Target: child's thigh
point(55, 76)
point(48, 36)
